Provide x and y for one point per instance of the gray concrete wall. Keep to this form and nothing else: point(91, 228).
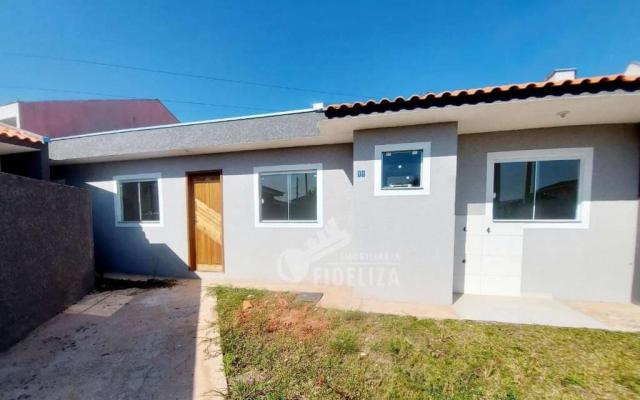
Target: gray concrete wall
point(591, 264)
point(411, 234)
point(46, 252)
point(250, 252)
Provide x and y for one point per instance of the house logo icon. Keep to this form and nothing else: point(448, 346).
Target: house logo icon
point(294, 264)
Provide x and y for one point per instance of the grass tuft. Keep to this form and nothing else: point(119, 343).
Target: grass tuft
point(572, 380)
point(630, 382)
point(345, 342)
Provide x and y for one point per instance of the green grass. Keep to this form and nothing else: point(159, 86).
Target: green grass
point(279, 349)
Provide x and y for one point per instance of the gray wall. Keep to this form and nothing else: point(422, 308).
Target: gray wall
point(397, 248)
point(636, 276)
point(591, 264)
point(46, 249)
point(413, 235)
point(415, 232)
point(250, 252)
point(635, 291)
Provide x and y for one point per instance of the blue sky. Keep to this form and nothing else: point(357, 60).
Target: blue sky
point(354, 49)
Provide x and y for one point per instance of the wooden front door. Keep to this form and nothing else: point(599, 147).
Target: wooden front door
point(205, 221)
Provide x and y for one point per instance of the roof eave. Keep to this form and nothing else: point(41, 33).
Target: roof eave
point(489, 95)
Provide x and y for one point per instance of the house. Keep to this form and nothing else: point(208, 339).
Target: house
point(522, 190)
point(23, 153)
point(71, 117)
point(65, 118)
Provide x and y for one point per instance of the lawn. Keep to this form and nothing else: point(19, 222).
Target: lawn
point(278, 348)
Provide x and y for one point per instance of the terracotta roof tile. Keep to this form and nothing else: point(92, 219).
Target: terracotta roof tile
point(20, 134)
point(488, 95)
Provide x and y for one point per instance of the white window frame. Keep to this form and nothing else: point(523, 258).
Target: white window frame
point(295, 168)
point(118, 180)
point(425, 170)
point(584, 154)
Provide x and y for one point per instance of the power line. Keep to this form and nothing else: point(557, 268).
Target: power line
point(42, 89)
point(183, 74)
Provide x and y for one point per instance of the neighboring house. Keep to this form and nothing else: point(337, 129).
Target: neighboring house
point(23, 153)
point(71, 117)
point(528, 189)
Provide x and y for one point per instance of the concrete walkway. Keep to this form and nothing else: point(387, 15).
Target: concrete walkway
point(523, 310)
point(126, 344)
point(518, 310)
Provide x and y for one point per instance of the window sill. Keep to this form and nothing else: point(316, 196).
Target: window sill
point(285, 224)
point(143, 224)
point(544, 223)
point(402, 188)
point(539, 221)
point(401, 191)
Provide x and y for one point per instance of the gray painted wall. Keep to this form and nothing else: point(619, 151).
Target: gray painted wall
point(635, 291)
point(338, 255)
point(416, 232)
point(636, 276)
point(397, 248)
point(250, 252)
point(46, 248)
point(591, 264)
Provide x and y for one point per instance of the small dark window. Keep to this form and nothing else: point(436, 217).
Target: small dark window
point(401, 169)
point(139, 201)
point(288, 197)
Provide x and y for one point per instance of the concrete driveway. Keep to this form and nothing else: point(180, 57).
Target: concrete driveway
point(126, 344)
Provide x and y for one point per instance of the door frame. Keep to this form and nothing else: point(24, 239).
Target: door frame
point(191, 216)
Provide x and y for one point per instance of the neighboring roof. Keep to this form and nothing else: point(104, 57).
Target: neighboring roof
point(72, 117)
point(488, 95)
point(11, 132)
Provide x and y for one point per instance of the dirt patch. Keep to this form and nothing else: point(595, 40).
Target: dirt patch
point(283, 313)
point(108, 284)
